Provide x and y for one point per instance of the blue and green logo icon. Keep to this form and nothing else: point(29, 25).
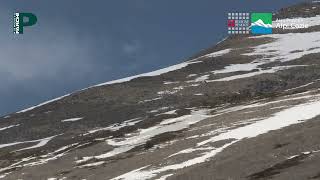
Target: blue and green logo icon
point(261, 23)
point(21, 20)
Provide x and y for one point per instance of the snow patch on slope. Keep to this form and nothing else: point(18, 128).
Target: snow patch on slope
point(42, 142)
point(287, 47)
point(144, 135)
point(44, 103)
point(8, 127)
point(153, 73)
point(72, 119)
point(218, 53)
point(251, 74)
point(116, 126)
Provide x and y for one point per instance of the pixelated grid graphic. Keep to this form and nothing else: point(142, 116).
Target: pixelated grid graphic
point(238, 23)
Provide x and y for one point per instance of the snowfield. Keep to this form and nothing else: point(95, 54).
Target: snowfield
point(284, 118)
point(287, 47)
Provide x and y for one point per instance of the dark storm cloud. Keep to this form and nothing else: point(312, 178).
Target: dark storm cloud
point(80, 43)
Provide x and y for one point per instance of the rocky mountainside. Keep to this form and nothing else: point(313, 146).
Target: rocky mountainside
point(247, 108)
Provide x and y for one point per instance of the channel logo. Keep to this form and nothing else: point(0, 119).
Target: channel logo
point(19, 23)
point(261, 23)
point(249, 23)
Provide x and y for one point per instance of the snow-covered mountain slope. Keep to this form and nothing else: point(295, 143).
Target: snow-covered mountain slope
point(247, 108)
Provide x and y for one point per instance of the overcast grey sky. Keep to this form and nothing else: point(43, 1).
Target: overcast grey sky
point(76, 44)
